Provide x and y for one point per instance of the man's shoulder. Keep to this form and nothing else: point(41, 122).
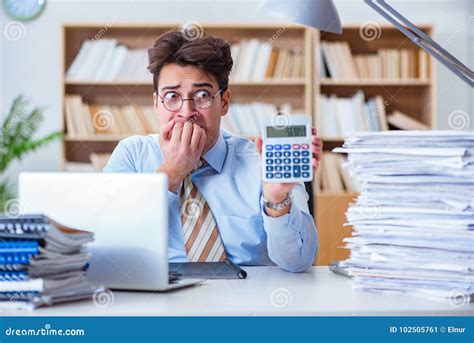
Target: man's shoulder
point(240, 145)
point(140, 141)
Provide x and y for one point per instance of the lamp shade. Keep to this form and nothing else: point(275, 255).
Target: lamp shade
point(320, 14)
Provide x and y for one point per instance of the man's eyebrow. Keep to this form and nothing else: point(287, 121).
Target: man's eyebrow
point(202, 84)
point(197, 84)
point(170, 87)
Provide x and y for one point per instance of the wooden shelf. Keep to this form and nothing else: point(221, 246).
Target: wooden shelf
point(97, 138)
point(148, 83)
point(371, 82)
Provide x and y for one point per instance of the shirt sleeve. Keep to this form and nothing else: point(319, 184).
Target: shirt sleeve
point(121, 160)
point(292, 238)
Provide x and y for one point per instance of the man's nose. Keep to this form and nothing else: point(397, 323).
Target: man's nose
point(188, 110)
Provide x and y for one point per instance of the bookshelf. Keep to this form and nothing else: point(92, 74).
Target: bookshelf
point(413, 95)
point(296, 91)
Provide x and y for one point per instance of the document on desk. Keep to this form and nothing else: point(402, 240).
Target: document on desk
point(413, 222)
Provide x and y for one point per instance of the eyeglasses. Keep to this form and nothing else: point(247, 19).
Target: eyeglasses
point(202, 99)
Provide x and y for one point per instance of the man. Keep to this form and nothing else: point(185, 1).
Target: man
point(218, 205)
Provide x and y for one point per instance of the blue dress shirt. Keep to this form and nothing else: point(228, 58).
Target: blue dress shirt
point(232, 185)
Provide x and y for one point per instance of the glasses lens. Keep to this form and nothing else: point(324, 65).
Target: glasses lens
point(172, 101)
point(202, 99)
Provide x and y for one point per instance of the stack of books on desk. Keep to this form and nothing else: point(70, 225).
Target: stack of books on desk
point(41, 262)
point(413, 222)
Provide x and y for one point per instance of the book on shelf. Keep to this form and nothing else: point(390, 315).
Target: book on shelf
point(107, 60)
point(402, 121)
point(42, 262)
point(244, 119)
point(395, 64)
point(332, 178)
point(339, 116)
point(84, 119)
point(255, 60)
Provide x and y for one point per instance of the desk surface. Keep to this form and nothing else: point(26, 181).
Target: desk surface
point(266, 291)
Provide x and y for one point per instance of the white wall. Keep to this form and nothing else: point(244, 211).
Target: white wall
point(31, 65)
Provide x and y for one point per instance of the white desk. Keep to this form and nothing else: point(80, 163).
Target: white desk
point(316, 293)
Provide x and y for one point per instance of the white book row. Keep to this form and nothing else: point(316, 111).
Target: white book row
point(341, 116)
point(255, 60)
point(106, 60)
point(244, 119)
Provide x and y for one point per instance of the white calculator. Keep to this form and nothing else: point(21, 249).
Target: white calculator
point(286, 150)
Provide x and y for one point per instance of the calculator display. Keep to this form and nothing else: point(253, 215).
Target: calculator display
point(287, 131)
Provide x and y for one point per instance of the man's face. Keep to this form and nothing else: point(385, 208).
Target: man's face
point(186, 82)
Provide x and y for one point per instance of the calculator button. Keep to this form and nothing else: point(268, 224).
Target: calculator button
point(305, 167)
point(304, 146)
point(296, 153)
point(278, 168)
point(296, 160)
point(269, 161)
point(269, 147)
point(269, 176)
point(278, 161)
point(305, 160)
point(278, 154)
point(269, 154)
point(287, 160)
point(287, 153)
point(305, 174)
point(287, 175)
point(277, 146)
point(305, 153)
point(296, 173)
point(287, 146)
point(296, 146)
point(286, 168)
point(278, 175)
point(269, 168)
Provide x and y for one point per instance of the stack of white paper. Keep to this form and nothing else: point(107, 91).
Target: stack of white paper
point(414, 218)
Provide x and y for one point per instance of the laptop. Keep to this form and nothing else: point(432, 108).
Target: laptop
point(128, 214)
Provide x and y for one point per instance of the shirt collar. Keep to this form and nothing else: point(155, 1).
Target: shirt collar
point(216, 155)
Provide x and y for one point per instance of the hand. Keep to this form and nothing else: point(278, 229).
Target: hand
point(277, 192)
point(181, 145)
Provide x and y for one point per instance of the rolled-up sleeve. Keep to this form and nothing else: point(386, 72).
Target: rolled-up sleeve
point(292, 238)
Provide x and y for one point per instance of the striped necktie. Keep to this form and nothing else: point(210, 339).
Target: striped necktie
point(201, 235)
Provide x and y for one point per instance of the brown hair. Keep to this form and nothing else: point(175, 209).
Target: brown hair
point(209, 53)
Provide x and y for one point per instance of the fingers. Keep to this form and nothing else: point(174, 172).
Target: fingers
point(196, 135)
point(202, 142)
point(165, 130)
point(187, 133)
point(258, 145)
point(176, 133)
point(317, 152)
